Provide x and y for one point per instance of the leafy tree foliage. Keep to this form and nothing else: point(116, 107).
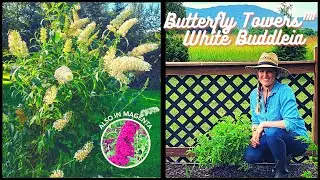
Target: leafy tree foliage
point(96, 11)
point(175, 50)
point(22, 16)
point(309, 32)
point(177, 8)
point(289, 53)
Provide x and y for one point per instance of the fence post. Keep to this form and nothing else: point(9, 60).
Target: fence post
point(315, 98)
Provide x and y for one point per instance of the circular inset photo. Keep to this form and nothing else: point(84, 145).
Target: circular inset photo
point(125, 143)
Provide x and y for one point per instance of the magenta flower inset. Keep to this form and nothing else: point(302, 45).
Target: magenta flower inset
point(119, 160)
point(124, 145)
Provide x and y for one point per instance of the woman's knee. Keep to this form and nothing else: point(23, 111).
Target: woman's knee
point(273, 132)
point(300, 149)
point(252, 155)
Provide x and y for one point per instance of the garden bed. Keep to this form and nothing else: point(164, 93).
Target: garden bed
point(258, 171)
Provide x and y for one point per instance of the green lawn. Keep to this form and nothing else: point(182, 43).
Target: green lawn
point(233, 53)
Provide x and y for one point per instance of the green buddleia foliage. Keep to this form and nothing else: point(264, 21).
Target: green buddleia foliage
point(63, 91)
point(224, 144)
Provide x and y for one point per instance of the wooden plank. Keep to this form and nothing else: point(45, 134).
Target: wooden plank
point(230, 68)
point(315, 98)
point(181, 152)
point(178, 152)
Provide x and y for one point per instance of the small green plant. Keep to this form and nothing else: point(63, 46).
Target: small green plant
point(245, 166)
point(306, 174)
point(188, 174)
point(224, 144)
point(312, 159)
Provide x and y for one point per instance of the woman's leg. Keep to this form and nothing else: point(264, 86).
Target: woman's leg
point(282, 143)
point(259, 154)
point(294, 147)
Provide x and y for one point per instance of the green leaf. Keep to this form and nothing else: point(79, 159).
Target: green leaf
point(33, 119)
point(68, 97)
point(97, 76)
point(36, 81)
point(40, 146)
point(38, 101)
point(11, 129)
point(48, 134)
point(57, 37)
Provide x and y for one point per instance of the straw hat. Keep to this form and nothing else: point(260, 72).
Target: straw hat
point(269, 60)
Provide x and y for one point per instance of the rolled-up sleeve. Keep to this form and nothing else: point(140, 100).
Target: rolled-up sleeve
point(288, 109)
point(253, 102)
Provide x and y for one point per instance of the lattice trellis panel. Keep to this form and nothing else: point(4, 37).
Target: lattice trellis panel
point(194, 104)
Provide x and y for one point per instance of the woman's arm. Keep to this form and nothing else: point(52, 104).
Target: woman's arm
point(254, 127)
point(268, 124)
point(288, 109)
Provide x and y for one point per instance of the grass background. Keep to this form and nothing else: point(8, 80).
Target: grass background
point(233, 53)
point(150, 167)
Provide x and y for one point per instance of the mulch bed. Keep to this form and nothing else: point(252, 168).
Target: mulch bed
point(257, 171)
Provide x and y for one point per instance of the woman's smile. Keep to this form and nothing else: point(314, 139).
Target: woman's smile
point(267, 76)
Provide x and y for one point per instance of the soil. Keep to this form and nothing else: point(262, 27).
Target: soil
point(254, 171)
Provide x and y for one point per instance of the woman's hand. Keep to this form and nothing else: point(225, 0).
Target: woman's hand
point(256, 136)
point(255, 139)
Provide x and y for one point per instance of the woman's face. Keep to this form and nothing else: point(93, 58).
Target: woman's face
point(267, 76)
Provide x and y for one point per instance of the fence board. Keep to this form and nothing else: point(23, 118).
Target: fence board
point(230, 68)
point(182, 152)
point(315, 97)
